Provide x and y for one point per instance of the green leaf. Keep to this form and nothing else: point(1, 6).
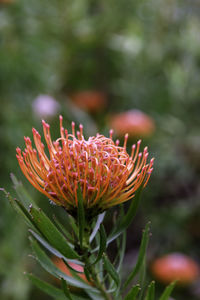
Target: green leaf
point(66, 289)
point(20, 209)
point(46, 287)
point(81, 216)
point(121, 251)
point(46, 245)
point(52, 234)
point(132, 294)
point(50, 267)
point(111, 270)
point(87, 273)
point(121, 246)
point(127, 218)
point(74, 226)
point(80, 297)
point(168, 290)
point(22, 193)
point(150, 295)
point(102, 246)
point(62, 229)
point(96, 228)
point(141, 256)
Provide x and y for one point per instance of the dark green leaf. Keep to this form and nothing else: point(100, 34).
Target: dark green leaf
point(81, 216)
point(66, 289)
point(141, 256)
point(52, 234)
point(132, 294)
point(62, 229)
point(102, 246)
point(46, 287)
point(74, 226)
point(80, 297)
point(150, 295)
point(167, 292)
point(111, 270)
point(87, 273)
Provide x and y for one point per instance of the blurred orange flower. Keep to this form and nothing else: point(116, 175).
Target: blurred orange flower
point(91, 101)
point(134, 122)
point(175, 266)
point(63, 267)
point(6, 1)
point(103, 170)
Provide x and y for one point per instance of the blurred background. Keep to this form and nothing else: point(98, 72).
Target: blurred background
point(130, 65)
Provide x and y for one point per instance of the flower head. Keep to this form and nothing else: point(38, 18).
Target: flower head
point(102, 169)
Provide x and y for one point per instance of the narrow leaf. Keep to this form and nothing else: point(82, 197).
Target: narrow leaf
point(141, 256)
point(46, 287)
point(52, 234)
point(74, 226)
point(66, 289)
point(96, 228)
point(132, 294)
point(62, 229)
point(111, 270)
point(20, 209)
point(102, 246)
point(150, 295)
point(167, 292)
point(46, 245)
point(87, 273)
point(121, 246)
point(121, 251)
point(81, 216)
point(22, 193)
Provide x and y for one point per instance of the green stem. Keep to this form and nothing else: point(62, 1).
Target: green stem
point(91, 268)
point(98, 284)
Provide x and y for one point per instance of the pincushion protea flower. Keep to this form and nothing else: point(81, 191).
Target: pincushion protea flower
point(103, 170)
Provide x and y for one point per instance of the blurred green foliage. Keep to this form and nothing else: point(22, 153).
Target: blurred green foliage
point(142, 54)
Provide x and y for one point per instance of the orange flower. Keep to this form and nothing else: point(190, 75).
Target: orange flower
point(6, 1)
point(134, 122)
point(91, 101)
point(103, 170)
point(63, 267)
point(175, 266)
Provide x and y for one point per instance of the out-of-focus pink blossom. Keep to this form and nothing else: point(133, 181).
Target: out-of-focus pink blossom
point(44, 106)
point(134, 122)
point(175, 266)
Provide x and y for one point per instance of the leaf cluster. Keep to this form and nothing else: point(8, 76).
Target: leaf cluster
point(85, 245)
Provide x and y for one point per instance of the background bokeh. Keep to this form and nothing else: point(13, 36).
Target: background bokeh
point(98, 59)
